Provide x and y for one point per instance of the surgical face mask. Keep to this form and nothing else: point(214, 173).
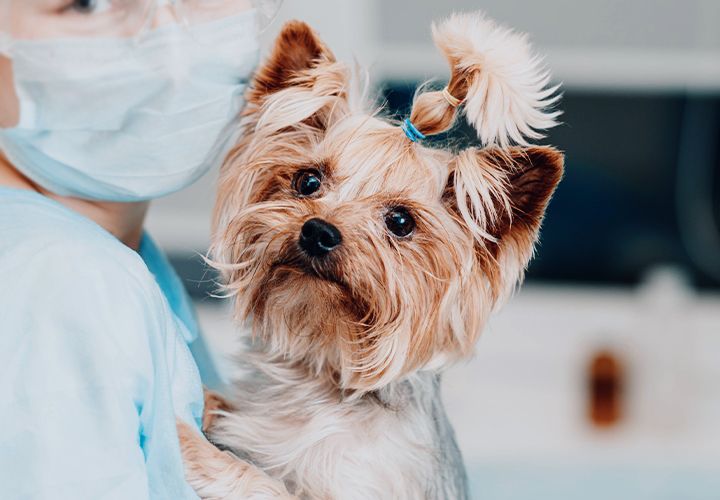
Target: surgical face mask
point(129, 119)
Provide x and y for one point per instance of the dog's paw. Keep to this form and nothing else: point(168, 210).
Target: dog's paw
point(213, 402)
point(218, 475)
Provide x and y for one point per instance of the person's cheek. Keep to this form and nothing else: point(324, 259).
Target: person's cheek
point(9, 106)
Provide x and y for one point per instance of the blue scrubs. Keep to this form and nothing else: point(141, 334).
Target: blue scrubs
point(94, 360)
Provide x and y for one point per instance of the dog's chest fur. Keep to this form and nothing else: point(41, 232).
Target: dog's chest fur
point(393, 444)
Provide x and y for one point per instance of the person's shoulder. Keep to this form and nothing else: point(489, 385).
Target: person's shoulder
point(64, 277)
point(30, 221)
point(39, 233)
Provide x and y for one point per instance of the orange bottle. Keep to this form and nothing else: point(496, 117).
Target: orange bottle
point(605, 388)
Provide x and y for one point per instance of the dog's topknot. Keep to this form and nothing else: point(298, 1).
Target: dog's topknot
point(504, 87)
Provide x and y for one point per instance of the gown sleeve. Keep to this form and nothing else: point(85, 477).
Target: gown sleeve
point(85, 383)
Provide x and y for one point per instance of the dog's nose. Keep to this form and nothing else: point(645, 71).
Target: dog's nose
point(318, 237)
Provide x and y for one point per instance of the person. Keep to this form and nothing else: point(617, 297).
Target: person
point(105, 105)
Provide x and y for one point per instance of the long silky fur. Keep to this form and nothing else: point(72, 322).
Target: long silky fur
point(299, 429)
point(341, 394)
point(509, 97)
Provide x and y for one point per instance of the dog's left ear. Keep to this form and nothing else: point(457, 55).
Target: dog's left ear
point(297, 50)
point(500, 197)
point(532, 176)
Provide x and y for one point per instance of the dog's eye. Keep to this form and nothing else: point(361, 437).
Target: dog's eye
point(399, 221)
point(307, 182)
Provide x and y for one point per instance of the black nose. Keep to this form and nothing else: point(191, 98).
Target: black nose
point(318, 237)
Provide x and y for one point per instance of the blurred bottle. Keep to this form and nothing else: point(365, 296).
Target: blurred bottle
point(605, 389)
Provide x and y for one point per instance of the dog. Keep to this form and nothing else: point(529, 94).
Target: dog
point(366, 262)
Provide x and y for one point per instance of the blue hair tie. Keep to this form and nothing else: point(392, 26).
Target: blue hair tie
point(411, 131)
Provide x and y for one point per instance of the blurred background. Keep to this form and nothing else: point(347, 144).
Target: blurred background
point(601, 378)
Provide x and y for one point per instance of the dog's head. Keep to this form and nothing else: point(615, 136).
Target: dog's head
point(358, 251)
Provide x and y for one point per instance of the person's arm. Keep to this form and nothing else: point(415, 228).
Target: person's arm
point(80, 359)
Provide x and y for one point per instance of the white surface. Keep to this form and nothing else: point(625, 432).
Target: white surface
point(522, 397)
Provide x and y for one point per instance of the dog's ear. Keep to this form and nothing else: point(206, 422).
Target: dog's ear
point(500, 197)
point(297, 49)
point(533, 175)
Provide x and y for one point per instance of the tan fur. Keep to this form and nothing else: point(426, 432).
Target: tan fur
point(213, 403)
point(218, 475)
point(340, 340)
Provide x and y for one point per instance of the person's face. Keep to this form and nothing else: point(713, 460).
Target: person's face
point(58, 19)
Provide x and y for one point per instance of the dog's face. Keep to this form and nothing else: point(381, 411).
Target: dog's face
point(355, 250)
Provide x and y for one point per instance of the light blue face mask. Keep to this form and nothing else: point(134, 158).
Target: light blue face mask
point(125, 120)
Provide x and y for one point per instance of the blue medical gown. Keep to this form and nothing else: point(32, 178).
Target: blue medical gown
point(94, 360)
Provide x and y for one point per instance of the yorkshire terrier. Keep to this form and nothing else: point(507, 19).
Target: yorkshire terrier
point(366, 262)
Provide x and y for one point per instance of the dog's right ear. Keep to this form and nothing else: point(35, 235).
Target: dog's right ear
point(297, 50)
point(499, 196)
